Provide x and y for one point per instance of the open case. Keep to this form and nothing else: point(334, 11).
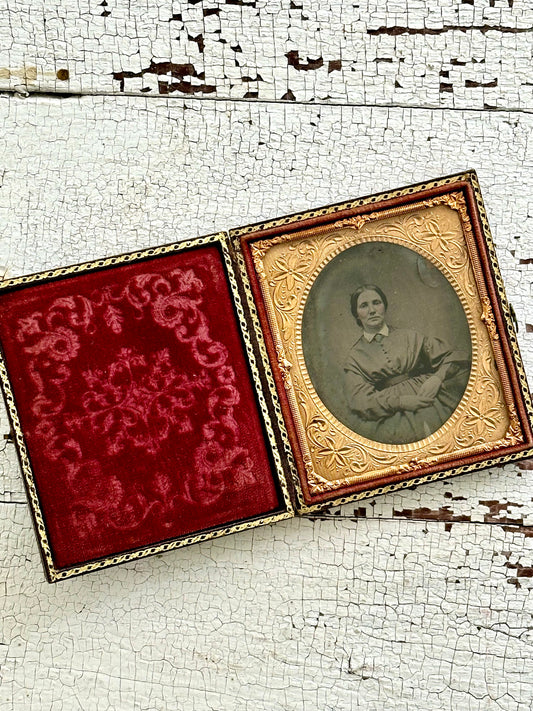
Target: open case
point(184, 392)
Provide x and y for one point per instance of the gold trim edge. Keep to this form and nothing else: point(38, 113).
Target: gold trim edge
point(502, 295)
point(418, 480)
point(279, 472)
point(104, 262)
point(267, 372)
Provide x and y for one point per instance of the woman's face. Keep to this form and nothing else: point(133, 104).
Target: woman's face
point(371, 311)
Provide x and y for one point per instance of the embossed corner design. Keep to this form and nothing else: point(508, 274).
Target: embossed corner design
point(485, 420)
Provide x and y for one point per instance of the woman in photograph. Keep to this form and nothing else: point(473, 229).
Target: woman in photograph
point(401, 385)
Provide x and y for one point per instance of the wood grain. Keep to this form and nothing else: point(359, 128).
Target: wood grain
point(419, 600)
point(474, 54)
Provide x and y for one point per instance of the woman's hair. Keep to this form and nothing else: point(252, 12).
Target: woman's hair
point(357, 293)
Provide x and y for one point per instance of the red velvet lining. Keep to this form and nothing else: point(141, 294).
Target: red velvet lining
point(135, 399)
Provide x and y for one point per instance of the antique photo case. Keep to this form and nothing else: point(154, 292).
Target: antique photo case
point(185, 392)
point(391, 340)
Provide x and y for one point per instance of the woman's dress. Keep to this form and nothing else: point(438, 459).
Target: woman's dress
point(382, 372)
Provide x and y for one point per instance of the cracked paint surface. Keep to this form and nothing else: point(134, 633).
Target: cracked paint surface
point(305, 614)
point(474, 54)
point(417, 600)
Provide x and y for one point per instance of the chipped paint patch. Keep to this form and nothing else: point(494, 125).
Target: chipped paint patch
point(445, 54)
point(495, 509)
point(165, 71)
point(442, 514)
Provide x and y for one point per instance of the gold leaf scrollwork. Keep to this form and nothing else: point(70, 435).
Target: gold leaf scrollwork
point(312, 476)
point(284, 365)
point(357, 221)
point(316, 482)
point(514, 431)
point(488, 318)
point(412, 465)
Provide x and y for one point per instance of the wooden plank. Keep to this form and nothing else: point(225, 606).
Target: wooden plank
point(91, 177)
point(445, 54)
point(301, 615)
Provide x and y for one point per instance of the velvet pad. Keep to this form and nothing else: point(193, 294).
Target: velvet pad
point(136, 403)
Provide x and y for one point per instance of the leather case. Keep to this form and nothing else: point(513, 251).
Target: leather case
point(184, 392)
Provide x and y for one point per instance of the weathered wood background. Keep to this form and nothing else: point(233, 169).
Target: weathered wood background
point(127, 124)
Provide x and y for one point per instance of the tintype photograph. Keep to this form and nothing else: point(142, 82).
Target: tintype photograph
point(386, 342)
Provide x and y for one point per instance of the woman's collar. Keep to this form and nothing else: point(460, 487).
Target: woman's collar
point(369, 337)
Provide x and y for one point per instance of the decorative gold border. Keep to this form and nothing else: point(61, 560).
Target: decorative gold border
point(500, 288)
point(514, 430)
point(55, 574)
point(267, 371)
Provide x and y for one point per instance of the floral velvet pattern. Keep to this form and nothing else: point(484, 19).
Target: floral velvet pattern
point(136, 402)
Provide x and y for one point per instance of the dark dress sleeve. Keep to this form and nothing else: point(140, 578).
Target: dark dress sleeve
point(369, 403)
point(437, 353)
point(363, 368)
point(381, 382)
point(417, 358)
